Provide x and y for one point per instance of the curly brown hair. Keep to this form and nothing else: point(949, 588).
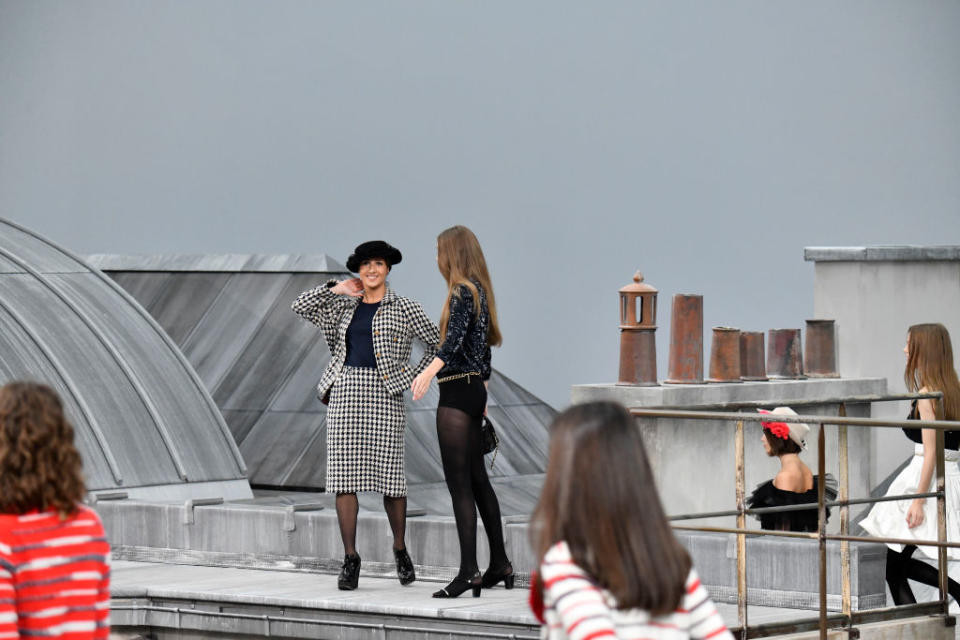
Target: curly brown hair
point(40, 468)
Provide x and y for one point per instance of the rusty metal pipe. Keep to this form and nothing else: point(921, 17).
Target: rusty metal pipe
point(802, 507)
point(820, 350)
point(638, 327)
point(784, 355)
point(822, 528)
point(725, 355)
point(844, 495)
point(638, 357)
point(874, 423)
point(741, 491)
point(752, 354)
point(686, 340)
point(942, 521)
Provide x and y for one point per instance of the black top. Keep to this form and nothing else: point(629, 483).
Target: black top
point(767, 495)
point(951, 439)
point(360, 336)
point(465, 347)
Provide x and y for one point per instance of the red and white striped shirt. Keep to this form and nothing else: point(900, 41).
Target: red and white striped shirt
point(576, 607)
point(54, 576)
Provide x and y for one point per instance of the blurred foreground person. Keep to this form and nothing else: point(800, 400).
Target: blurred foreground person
point(610, 564)
point(54, 558)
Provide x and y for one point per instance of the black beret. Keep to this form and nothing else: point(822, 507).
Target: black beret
point(373, 249)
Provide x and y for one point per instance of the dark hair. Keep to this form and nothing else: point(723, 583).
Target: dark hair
point(600, 498)
point(40, 468)
point(930, 367)
point(780, 446)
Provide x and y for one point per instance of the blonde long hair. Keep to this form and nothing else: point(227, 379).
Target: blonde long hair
point(930, 366)
point(461, 261)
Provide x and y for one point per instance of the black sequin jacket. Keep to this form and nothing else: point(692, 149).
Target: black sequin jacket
point(465, 347)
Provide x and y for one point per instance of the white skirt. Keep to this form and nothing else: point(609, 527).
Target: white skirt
point(889, 519)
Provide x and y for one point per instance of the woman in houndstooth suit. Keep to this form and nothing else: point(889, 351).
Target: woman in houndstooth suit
point(369, 330)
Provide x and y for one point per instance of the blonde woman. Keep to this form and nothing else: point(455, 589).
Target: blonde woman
point(929, 368)
point(468, 328)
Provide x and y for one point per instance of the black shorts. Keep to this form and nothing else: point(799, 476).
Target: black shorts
point(468, 394)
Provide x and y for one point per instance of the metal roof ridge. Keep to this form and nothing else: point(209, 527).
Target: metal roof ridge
point(217, 262)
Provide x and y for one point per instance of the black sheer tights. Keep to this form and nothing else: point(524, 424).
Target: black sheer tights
point(347, 509)
point(470, 488)
point(902, 567)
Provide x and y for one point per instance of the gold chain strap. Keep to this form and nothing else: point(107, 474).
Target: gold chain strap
point(458, 376)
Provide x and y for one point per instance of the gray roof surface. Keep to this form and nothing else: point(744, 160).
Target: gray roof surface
point(261, 364)
point(883, 253)
point(142, 417)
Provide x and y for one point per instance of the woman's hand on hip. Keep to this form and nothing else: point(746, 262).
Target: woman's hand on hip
point(915, 513)
point(421, 384)
point(352, 287)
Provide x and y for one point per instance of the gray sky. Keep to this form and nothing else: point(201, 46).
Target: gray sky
point(705, 143)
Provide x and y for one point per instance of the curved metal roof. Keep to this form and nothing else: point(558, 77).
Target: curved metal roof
point(231, 316)
point(144, 422)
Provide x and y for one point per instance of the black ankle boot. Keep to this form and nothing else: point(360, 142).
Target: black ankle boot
point(458, 585)
point(492, 576)
point(349, 573)
point(405, 571)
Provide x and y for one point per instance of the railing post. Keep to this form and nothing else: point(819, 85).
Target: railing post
point(822, 521)
point(942, 521)
point(741, 538)
point(844, 494)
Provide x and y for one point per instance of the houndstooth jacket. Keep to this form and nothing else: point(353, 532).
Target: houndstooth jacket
point(395, 324)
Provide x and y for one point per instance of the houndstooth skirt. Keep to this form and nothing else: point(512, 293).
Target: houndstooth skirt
point(365, 426)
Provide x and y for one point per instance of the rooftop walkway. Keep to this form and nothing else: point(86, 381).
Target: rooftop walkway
point(258, 602)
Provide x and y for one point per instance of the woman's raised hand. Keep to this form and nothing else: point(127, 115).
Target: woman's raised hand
point(352, 287)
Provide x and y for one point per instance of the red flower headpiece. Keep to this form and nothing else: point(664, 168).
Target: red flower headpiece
point(779, 429)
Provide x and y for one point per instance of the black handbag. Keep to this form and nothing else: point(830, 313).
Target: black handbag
point(489, 441)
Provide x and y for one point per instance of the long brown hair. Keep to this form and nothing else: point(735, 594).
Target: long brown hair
point(40, 468)
point(600, 498)
point(461, 261)
point(930, 367)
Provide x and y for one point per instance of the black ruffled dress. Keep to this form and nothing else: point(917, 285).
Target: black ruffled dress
point(767, 495)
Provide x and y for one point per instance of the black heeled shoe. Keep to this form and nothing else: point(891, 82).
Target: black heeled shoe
point(458, 585)
point(491, 577)
point(349, 573)
point(405, 571)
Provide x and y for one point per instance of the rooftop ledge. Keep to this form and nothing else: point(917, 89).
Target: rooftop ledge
point(883, 253)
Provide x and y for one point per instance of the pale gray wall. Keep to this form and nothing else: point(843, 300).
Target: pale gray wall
point(874, 303)
point(703, 142)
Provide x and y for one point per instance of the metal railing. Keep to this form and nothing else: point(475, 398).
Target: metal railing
point(847, 618)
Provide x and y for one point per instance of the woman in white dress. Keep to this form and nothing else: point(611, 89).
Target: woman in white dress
point(929, 368)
